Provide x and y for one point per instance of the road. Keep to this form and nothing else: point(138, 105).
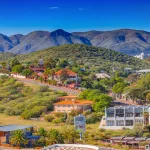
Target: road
point(63, 89)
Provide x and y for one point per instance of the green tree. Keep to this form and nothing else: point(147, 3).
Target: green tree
point(70, 136)
point(27, 72)
point(101, 102)
point(42, 132)
point(17, 69)
point(18, 138)
point(50, 63)
point(118, 88)
point(14, 62)
point(148, 97)
point(54, 137)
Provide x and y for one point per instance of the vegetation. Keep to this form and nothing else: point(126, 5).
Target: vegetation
point(18, 138)
point(17, 99)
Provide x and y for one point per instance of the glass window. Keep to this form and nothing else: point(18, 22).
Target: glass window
point(129, 122)
point(110, 122)
point(120, 123)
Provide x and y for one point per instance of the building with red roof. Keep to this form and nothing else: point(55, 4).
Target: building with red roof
point(69, 105)
point(71, 76)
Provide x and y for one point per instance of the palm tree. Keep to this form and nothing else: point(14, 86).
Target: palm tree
point(18, 138)
point(54, 137)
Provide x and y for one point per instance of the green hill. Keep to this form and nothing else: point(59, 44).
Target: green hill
point(100, 58)
point(93, 57)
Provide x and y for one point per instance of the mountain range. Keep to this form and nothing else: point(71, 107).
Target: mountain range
point(128, 41)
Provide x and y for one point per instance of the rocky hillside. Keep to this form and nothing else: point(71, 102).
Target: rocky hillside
point(131, 42)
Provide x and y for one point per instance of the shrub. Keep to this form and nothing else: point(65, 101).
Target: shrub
point(34, 112)
point(70, 120)
point(49, 118)
point(56, 121)
point(59, 114)
point(43, 88)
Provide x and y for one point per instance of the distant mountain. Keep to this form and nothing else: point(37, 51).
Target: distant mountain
point(5, 43)
point(42, 39)
point(128, 41)
point(16, 39)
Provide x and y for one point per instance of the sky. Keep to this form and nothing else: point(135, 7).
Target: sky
point(24, 16)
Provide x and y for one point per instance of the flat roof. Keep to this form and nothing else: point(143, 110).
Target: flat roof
point(13, 127)
point(71, 147)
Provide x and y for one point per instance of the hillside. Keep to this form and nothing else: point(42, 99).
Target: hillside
point(131, 42)
point(87, 55)
point(128, 41)
point(6, 56)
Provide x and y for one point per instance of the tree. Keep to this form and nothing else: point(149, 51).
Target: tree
point(54, 137)
point(18, 138)
point(27, 72)
point(70, 136)
point(50, 63)
point(4, 65)
point(14, 62)
point(63, 75)
point(17, 69)
point(148, 97)
point(63, 63)
point(101, 102)
point(42, 132)
point(118, 88)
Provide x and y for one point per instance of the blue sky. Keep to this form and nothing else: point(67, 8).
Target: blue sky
point(24, 16)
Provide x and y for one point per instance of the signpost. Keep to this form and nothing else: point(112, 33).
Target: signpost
point(79, 124)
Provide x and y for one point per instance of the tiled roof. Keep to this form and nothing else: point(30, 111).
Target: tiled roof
point(67, 97)
point(37, 69)
point(69, 72)
point(76, 102)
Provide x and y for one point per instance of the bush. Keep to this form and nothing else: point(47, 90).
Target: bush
point(49, 118)
point(43, 88)
point(93, 118)
point(59, 114)
point(70, 120)
point(56, 121)
point(34, 112)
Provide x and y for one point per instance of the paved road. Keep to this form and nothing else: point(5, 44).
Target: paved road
point(63, 89)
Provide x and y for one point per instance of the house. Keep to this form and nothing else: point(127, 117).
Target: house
point(6, 131)
point(37, 69)
point(69, 105)
point(102, 75)
point(70, 75)
point(125, 117)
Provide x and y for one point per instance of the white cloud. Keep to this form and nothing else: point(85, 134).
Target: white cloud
point(55, 7)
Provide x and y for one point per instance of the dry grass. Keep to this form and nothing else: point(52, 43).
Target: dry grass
point(5, 120)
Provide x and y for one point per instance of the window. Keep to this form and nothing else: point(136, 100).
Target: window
point(110, 112)
point(110, 122)
point(120, 123)
point(129, 122)
point(139, 121)
point(119, 112)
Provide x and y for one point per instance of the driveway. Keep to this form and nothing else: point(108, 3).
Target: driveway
point(56, 88)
